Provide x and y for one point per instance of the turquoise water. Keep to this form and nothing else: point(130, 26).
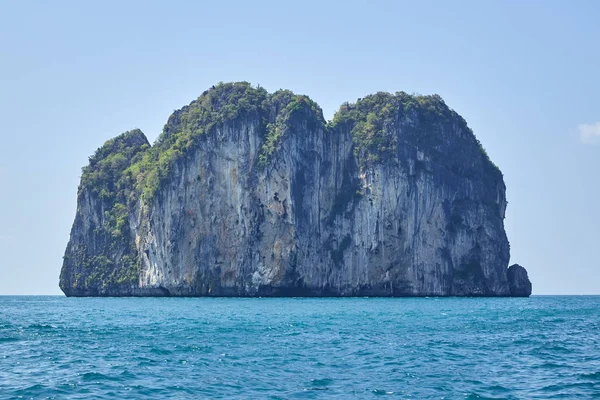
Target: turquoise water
point(452, 348)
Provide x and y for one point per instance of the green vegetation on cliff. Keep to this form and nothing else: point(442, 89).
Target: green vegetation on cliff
point(105, 179)
point(127, 168)
point(289, 108)
point(222, 104)
point(104, 172)
point(374, 120)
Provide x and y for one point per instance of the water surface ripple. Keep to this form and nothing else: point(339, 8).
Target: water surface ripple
point(442, 348)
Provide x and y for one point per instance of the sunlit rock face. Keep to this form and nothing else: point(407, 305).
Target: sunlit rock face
point(248, 193)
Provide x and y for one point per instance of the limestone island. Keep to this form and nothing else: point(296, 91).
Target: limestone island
point(250, 193)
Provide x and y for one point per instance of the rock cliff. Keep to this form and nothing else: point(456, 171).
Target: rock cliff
point(518, 281)
point(247, 193)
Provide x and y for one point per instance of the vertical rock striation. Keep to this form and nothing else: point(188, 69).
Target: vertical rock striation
point(247, 193)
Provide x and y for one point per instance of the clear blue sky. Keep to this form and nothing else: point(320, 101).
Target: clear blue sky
point(524, 74)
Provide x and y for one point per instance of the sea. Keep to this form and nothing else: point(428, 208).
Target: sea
point(542, 347)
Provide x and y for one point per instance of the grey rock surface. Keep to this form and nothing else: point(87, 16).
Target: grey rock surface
point(316, 219)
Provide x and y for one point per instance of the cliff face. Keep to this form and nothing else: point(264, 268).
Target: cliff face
point(247, 193)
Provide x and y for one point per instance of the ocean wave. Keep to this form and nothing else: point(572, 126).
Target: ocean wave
point(347, 348)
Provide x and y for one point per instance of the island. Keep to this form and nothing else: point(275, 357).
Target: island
point(249, 193)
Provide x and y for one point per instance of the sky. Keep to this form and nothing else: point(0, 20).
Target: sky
point(524, 74)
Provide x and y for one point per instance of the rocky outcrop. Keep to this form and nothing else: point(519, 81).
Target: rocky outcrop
point(247, 193)
point(518, 281)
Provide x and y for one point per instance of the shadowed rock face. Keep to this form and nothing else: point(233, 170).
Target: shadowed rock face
point(247, 193)
point(518, 281)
